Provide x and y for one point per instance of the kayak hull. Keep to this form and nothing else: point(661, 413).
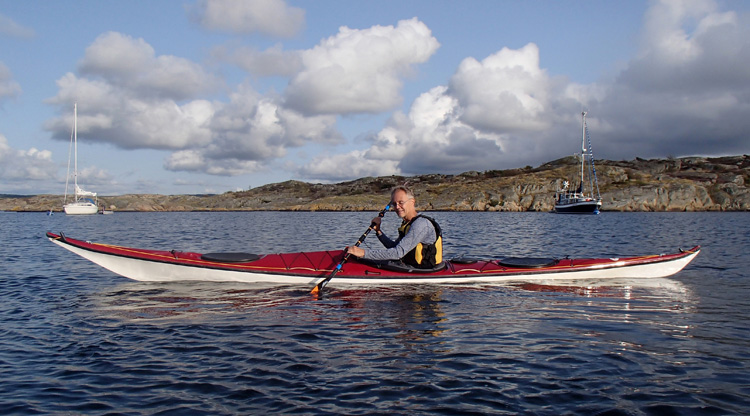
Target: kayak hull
point(309, 268)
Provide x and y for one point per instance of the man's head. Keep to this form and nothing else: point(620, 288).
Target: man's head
point(402, 200)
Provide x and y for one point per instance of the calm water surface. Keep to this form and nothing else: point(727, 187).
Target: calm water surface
point(77, 339)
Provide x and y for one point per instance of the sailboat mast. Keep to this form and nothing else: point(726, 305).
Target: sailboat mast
point(583, 143)
point(75, 149)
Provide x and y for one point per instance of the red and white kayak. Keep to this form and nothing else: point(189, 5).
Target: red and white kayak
point(309, 268)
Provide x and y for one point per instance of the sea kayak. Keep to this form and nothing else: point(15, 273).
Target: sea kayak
point(309, 268)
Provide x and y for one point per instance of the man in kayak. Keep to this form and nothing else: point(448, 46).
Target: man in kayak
point(419, 243)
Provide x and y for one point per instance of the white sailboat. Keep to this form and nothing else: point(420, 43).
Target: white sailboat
point(82, 203)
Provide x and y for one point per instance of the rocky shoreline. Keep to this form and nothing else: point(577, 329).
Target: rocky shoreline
point(653, 185)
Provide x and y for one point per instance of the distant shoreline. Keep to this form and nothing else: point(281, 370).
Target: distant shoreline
point(692, 184)
point(61, 212)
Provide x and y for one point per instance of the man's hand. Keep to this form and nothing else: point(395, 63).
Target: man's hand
point(355, 251)
point(375, 225)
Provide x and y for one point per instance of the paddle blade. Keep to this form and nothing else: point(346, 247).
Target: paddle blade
point(323, 282)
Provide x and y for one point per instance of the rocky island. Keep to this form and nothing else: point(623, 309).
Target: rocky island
point(672, 184)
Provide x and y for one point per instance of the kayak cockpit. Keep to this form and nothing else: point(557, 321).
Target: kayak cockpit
point(401, 267)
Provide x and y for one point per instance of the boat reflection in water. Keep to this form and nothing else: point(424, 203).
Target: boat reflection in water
point(418, 305)
point(614, 288)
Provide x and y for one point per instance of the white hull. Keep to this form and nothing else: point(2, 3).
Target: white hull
point(80, 208)
point(149, 271)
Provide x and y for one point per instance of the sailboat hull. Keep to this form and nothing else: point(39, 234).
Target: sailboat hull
point(80, 208)
point(583, 207)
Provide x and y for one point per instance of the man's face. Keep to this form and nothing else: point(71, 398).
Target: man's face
point(402, 204)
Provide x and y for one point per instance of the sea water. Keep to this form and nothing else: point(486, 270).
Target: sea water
point(77, 339)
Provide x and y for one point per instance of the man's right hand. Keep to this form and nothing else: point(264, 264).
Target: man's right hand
point(375, 225)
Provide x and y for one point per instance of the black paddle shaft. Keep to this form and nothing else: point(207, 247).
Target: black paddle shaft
point(325, 281)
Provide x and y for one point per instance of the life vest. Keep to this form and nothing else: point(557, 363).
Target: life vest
point(423, 256)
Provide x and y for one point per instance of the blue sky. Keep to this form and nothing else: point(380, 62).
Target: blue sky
point(209, 96)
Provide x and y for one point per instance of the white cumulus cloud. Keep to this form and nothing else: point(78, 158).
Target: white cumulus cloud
point(346, 166)
point(506, 90)
point(131, 97)
point(111, 114)
point(250, 132)
point(494, 114)
point(360, 71)
point(23, 165)
point(133, 65)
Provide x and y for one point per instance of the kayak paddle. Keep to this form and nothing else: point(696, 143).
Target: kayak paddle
point(325, 281)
